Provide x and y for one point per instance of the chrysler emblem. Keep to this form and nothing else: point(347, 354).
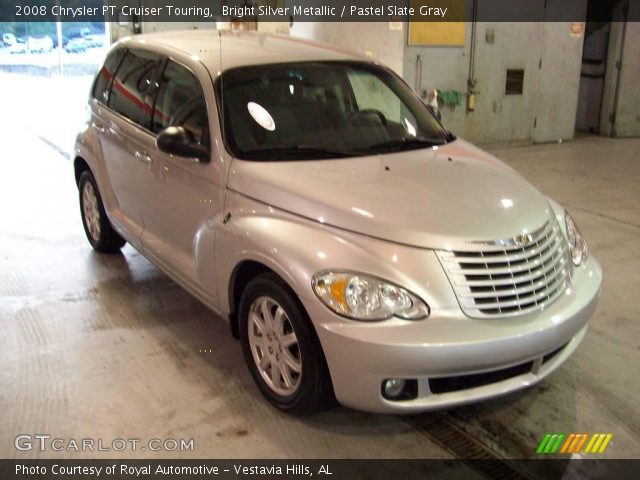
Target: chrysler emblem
point(523, 240)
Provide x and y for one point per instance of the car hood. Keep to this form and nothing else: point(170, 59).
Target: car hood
point(433, 198)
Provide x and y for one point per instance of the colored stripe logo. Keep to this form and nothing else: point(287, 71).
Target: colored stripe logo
point(562, 443)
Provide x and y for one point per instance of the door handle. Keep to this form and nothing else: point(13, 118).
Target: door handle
point(142, 157)
point(113, 129)
point(97, 127)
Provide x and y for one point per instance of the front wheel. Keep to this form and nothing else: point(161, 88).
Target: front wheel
point(281, 347)
point(97, 227)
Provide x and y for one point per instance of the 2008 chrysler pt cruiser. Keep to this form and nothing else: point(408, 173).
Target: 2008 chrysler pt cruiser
point(360, 251)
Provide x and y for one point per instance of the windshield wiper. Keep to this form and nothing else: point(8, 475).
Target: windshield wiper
point(294, 151)
point(406, 144)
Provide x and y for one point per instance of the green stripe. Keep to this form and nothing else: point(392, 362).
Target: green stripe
point(543, 443)
point(550, 443)
point(558, 443)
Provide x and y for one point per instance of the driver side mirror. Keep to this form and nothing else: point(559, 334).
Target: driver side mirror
point(179, 141)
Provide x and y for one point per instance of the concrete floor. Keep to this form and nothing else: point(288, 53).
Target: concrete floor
point(108, 347)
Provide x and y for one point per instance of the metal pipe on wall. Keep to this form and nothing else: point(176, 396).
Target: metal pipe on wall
point(418, 81)
point(471, 81)
point(59, 43)
point(616, 95)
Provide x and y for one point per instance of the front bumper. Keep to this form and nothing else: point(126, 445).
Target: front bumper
point(519, 351)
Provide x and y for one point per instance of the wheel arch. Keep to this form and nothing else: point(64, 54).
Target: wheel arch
point(242, 274)
point(79, 166)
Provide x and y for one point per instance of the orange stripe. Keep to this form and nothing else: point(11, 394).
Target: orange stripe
point(576, 439)
point(584, 439)
point(567, 442)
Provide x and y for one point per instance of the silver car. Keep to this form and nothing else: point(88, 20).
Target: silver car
point(359, 250)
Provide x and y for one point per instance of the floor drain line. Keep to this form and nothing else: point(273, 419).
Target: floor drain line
point(475, 454)
point(53, 146)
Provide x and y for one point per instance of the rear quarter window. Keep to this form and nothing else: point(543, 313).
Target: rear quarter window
point(132, 86)
point(104, 79)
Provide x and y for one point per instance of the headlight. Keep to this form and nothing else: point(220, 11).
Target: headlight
point(577, 245)
point(363, 297)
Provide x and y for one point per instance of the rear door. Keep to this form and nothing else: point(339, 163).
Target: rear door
point(126, 136)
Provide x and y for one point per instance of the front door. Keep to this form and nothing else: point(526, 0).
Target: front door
point(179, 232)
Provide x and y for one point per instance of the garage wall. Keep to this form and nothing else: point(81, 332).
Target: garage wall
point(627, 122)
point(547, 52)
point(545, 111)
point(151, 27)
point(374, 39)
point(499, 117)
point(557, 92)
point(621, 92)
point(443, 68)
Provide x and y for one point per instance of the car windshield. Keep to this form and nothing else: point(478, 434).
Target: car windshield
point(316, 110)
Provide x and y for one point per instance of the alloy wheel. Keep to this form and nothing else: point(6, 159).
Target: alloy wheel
point(274, 346)
point(91, 211)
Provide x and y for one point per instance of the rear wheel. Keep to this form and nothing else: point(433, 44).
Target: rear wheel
point(97, 226)
point(281, 347)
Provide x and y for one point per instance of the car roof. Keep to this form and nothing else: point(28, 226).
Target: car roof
point(239, 48)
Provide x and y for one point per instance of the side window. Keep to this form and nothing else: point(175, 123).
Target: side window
point(180, 102)
point(102, 84)
point(371, 93)
point(132, 84)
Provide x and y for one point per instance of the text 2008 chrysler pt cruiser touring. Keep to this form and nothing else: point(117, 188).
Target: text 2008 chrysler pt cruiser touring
point(358, 248)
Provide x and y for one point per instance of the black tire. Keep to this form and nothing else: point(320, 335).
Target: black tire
point(314, 391)
point(104, 239)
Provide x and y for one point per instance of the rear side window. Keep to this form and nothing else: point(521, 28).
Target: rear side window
point(180, 102)
point(132, 85)
point(104, 79)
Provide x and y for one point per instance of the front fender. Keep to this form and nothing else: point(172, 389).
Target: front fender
point(296, 248)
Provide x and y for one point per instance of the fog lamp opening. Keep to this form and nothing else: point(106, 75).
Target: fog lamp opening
point(396, 389)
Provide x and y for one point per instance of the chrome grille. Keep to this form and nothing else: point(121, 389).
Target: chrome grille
point(502, 278)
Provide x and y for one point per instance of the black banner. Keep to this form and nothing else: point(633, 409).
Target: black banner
point(324, 469)
point(318, 10)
